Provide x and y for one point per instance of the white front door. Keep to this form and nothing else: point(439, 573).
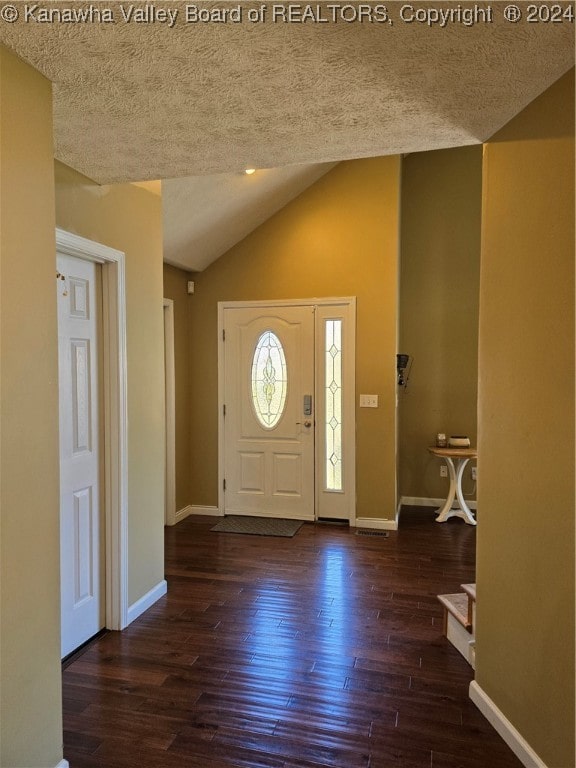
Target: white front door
point(81, 527)
point(269, 411)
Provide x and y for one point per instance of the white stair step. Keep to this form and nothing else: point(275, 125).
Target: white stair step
point(460, 639)
point(457, 606)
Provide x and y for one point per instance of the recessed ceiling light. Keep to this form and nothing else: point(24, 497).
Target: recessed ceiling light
point(250, 171)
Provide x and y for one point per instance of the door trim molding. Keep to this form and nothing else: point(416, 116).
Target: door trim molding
point(170, 408)
point(349, 301)
point(115, 401)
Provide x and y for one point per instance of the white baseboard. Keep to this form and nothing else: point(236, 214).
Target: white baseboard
point(198, 510)
point(376, 523)
point(146, 601)
point(183, 513)
point(63, 764)
point(422, 501)
point(195, 509)
point(504, 727)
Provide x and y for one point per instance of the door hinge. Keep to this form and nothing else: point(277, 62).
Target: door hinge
point(223, 335)
point(223, 485)
point(224, 410)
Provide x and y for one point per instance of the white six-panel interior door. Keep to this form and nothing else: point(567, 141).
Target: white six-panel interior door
point(81, 519)
point(287, 420)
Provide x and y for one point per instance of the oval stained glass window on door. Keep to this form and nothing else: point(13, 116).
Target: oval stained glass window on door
point(269, 380)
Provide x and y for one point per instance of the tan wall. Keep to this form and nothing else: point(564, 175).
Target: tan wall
point(175, 288)
point(439, 284)
point(128, 218)
point(525, 568)
point(30, 693)
point(339, 238)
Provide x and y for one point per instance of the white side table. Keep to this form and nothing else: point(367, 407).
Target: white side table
point(462, 456)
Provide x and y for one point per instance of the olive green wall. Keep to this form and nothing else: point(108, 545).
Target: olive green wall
point(438, 325)
point(525, 565)
point(129, 218)
point(30, 694)
point(176, 288)
point(338, 238)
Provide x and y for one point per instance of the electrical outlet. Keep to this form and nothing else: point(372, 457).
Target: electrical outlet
point(474, 473)
point(443, 471)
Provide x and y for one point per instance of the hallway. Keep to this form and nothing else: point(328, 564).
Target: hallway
point(322, 650)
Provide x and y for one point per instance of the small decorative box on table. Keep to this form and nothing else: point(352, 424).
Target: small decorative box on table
point(462, 456)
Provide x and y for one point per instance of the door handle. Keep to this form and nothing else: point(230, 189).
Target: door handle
point(305, 423)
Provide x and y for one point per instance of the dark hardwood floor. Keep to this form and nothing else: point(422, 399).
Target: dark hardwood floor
point(321, 650)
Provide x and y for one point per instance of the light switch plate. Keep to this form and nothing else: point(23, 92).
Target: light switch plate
point(368, 401)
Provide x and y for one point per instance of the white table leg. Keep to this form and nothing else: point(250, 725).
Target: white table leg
point(467, 515)
point(446, 511)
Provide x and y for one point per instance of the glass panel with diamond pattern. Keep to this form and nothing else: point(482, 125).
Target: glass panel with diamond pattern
point(269, 380)
point(333, 394)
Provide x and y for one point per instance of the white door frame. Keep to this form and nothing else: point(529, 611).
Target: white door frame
point(115, 493)
point(170, 407)
point(349, 436)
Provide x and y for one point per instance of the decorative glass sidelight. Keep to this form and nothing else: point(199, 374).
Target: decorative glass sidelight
point(333, 396)
point(269, 380)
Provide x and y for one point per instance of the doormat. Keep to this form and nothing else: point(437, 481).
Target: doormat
point(258, 526)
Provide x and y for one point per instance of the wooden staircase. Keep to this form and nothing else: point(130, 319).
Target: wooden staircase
point(459, 620)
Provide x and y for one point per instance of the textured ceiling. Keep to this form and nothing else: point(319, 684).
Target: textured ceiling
point(204, 216)
point(143, 100)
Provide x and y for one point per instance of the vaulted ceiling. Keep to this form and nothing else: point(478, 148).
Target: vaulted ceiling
point(142, 98)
